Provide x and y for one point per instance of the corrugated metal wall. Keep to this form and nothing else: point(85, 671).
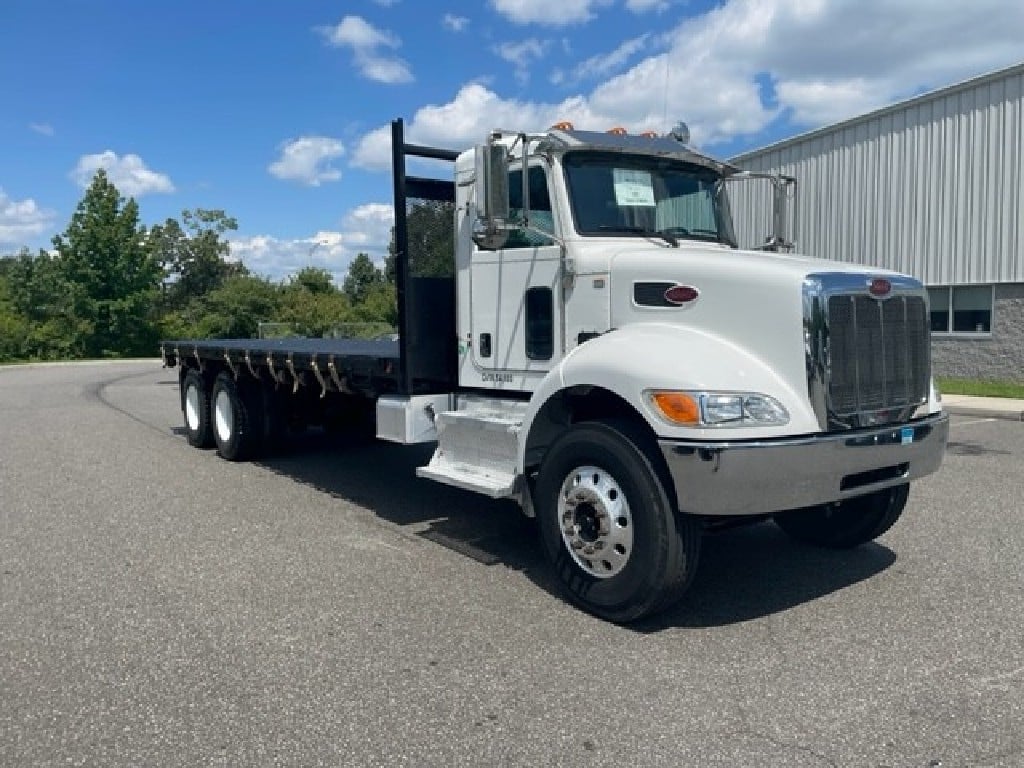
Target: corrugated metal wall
point(933, 187)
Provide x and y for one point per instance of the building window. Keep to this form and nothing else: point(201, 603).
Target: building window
point(965, 309)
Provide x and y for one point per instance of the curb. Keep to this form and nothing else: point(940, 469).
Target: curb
point(69, 363)
point(984, 413)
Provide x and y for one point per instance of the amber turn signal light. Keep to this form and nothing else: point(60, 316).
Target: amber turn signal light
point(677, 407)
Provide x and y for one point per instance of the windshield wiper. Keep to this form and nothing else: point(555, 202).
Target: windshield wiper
point(711, 235)
point(665, 235)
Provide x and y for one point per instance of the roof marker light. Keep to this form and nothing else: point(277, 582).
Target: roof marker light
point(563, 125)
point(650, 134)
point(618, 130)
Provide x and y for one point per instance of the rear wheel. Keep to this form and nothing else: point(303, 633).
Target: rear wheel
point(235, 412)
point(849, 523)
point(195, 407)
point(608, 527)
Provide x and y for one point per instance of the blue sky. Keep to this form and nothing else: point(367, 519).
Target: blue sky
point(277, 111)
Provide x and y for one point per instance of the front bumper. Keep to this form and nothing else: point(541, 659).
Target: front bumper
point(764, 476)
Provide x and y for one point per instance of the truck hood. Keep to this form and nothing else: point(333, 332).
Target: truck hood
point(750, 300)
point(597, 257)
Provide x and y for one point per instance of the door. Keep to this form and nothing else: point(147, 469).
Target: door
point(516, 299)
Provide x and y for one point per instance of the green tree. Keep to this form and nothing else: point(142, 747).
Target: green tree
point(313, 303)
point(235, 309)
point(194, 256)
point(40, 322)
point(362, 275)
point(111, 275)
point(430, 228)
point(379, 305)
point(313, 280)
point(14, 327)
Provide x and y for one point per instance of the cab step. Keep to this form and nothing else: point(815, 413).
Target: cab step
point(477, 446)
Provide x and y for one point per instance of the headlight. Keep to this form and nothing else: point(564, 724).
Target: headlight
point(717, 409)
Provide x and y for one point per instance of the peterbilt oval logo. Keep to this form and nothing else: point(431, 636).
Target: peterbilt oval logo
point(681, 294)
point(879, 287)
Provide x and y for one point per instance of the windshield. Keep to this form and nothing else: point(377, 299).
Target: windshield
point(617, 194)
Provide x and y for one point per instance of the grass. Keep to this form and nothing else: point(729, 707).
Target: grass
point(980, 387)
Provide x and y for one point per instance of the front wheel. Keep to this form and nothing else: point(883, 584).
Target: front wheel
point(846, 524)
point(609, 529)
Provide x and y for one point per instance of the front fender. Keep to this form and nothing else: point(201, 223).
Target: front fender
point(639, 357)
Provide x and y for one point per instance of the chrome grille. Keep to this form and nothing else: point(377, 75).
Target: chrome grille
point(876, 353)
point(868, 360)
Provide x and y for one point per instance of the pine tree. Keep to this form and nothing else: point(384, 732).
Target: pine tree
point(112, 276)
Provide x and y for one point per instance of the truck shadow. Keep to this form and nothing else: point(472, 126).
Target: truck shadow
point(755, 571)
point(745, 573)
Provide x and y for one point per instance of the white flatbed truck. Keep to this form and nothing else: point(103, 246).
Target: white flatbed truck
point(599, 350)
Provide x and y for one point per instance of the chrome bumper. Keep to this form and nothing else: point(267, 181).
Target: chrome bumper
point(763, 476)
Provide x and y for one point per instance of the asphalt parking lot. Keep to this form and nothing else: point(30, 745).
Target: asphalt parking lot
point(160, 606)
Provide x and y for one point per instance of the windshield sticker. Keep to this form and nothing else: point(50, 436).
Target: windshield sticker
point(633, 187)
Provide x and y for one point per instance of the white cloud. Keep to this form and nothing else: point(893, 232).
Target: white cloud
point(521, 54)
point(386, 3)
point(22, 220)
point(383, 69)
point(307, 160)
point(454, 23)
point(554, 13)
point(128, 173)
point(466, 120)
point(816, 102)
point(824, 62)
point(644, 6)
point(603, 64)
point(355, 32)
point(43, 129)
point(365, 229)
point(368, 45)
point(369, 226)
point(278, 259)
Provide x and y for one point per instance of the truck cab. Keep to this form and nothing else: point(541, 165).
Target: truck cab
point(603, 306)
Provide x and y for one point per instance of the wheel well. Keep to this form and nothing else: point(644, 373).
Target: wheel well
point(591, 403)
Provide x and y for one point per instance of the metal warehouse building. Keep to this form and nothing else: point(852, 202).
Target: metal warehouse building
point(932, 186)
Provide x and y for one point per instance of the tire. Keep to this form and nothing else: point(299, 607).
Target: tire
point(849, 523)
point(195, 408)
point(599, 484)
point(234, 416)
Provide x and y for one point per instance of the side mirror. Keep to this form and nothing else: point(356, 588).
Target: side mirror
point(490, 229)
point(492, 182)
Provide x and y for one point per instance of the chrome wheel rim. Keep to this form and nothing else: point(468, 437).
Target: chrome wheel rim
point(224, 416)
point(595, 521)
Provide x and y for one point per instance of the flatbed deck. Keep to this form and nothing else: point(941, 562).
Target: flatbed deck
point(369, 367)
